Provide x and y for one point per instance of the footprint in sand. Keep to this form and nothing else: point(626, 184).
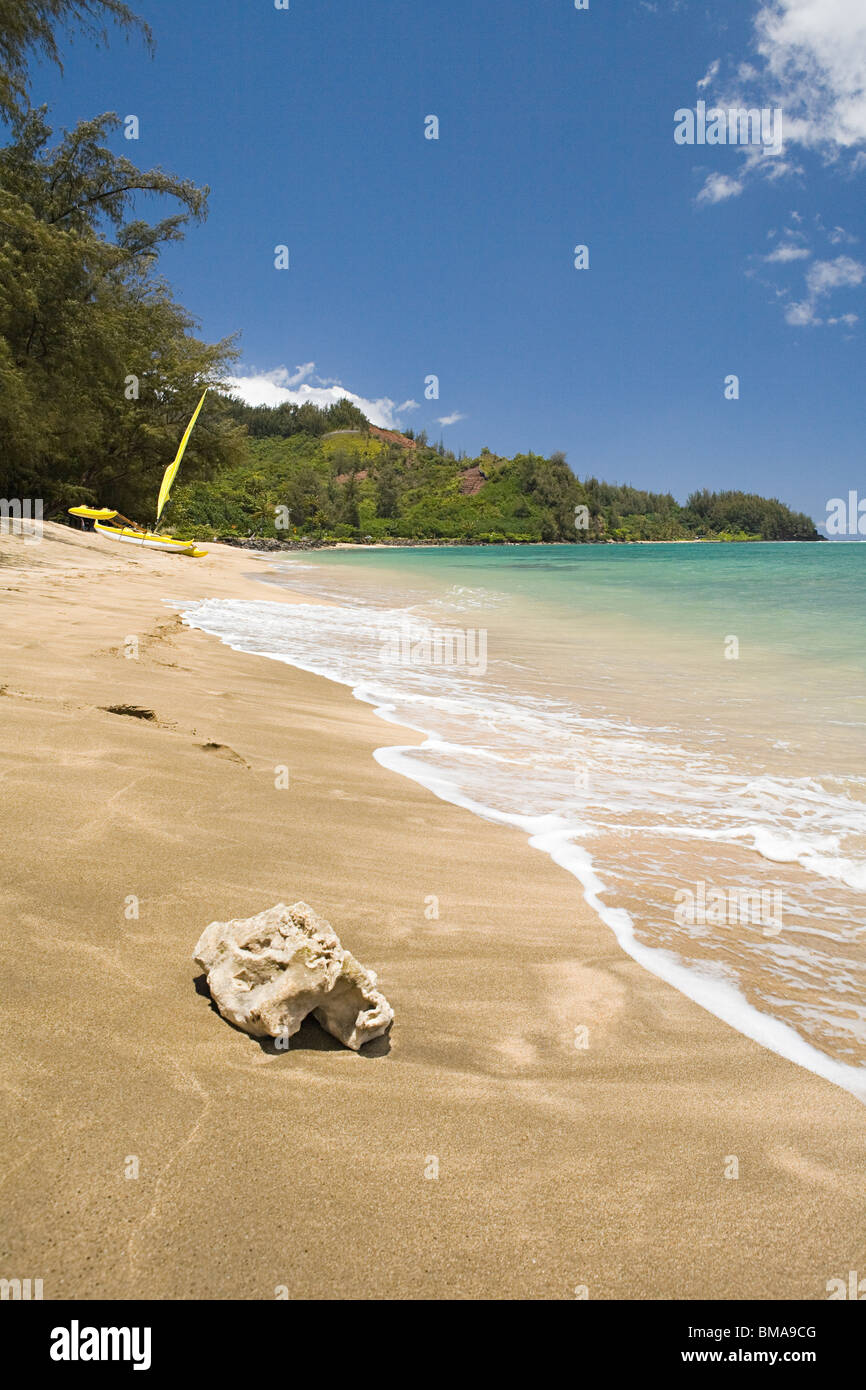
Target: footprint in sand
point(222, 750)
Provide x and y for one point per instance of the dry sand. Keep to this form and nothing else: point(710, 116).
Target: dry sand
point(559, 1167)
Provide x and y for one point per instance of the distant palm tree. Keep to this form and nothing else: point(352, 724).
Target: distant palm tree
point(261, 517)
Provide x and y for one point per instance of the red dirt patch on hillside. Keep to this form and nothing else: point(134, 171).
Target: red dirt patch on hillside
point(360, 475)
point(472, 480)
point(393, 437)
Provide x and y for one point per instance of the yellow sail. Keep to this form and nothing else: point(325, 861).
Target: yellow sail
point(171, 471)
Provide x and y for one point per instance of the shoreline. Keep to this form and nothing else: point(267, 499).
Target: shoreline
point(724, 999)
point(558, 1166)
point(277, 547)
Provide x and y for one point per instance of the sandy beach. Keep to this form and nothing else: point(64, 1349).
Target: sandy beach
point(561, 1168)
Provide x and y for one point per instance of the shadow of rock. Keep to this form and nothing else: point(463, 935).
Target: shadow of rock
point(310, 1037)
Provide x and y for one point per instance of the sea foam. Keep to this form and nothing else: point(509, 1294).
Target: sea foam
point(648, 808)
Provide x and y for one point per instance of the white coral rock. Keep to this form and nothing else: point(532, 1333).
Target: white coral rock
point(266, 973)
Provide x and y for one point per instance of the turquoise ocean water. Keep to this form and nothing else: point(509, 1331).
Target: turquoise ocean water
point(683, 727)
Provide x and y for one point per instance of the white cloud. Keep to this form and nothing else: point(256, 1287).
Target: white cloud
point(300, 374)
point(815, 57)
point(822, 278)
point(801, 315)
point(718, 188)
point(450, 419)
point(809, 61)
point(838, 235)
point(787, 252)
point(710, 75)
point(274, 387)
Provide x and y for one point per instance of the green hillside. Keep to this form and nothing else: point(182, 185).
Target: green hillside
point(329, 475)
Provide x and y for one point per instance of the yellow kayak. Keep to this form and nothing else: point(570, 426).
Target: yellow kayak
point(146, 538)
point(132, 535)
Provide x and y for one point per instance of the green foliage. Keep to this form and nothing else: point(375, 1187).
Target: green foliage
point(27, 28)
point(342, 486)
point(282, 421)
point(747, 514)
point(387, 491)
point(81, 314)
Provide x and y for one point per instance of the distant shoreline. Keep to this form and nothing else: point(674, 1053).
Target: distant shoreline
point(268, 544)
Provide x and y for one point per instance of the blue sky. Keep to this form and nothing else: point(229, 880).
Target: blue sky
point(454, 257)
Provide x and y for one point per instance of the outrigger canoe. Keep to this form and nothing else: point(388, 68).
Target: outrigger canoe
point(131, 534)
